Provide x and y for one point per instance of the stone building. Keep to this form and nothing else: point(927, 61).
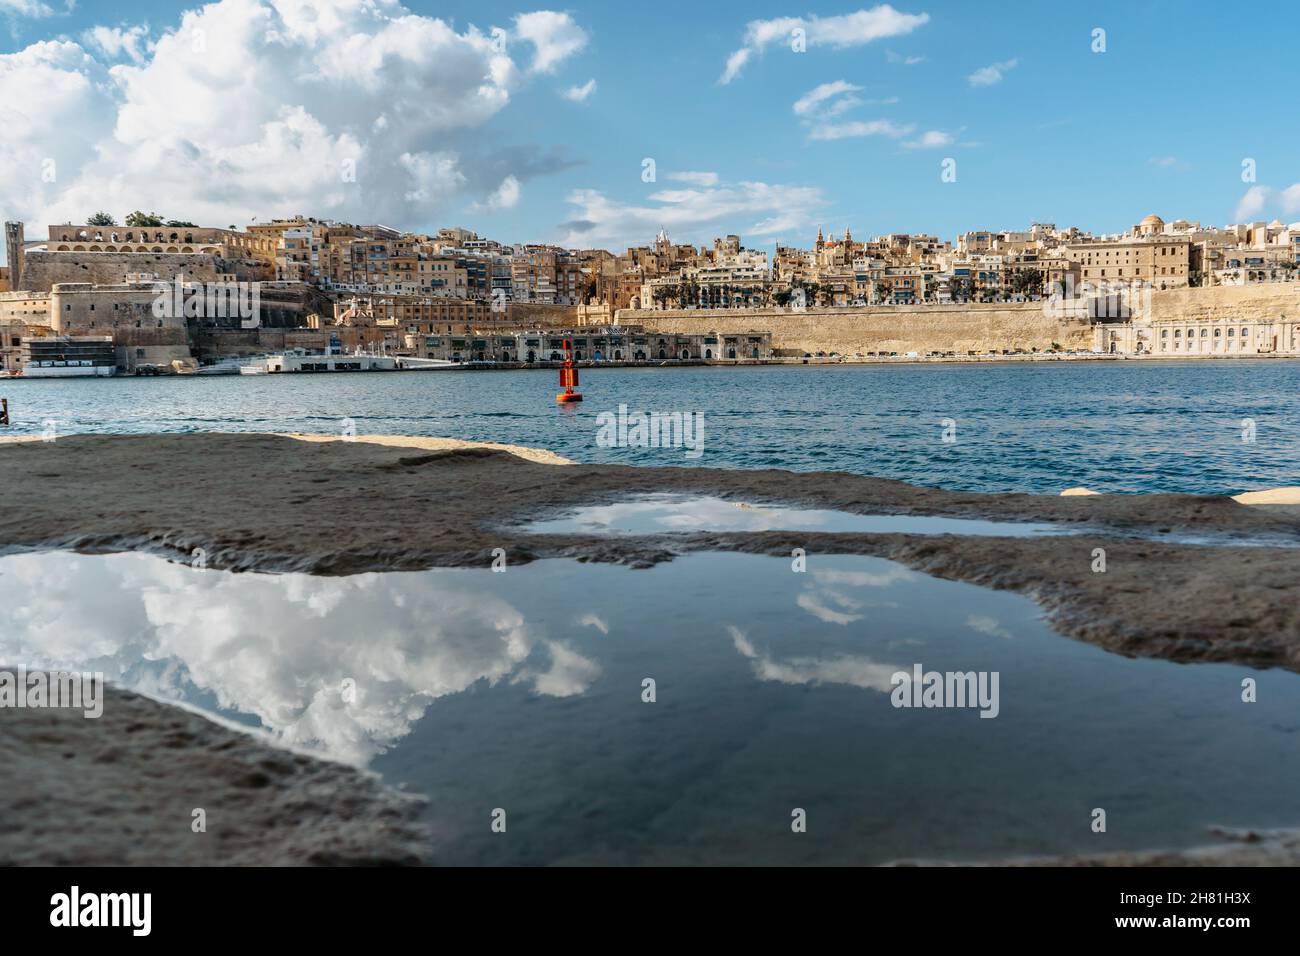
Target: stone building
point(1163, 262)
point(127, 312)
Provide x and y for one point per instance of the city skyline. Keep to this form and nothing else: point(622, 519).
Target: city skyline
point(250, 109)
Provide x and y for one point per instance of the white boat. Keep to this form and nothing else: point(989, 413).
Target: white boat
point(67, 370)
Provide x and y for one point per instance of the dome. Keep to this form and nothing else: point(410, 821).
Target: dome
point(1153, 220)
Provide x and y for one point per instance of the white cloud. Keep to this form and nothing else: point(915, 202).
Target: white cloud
point(893, 57)
point(1291, 199)
point(26, 8)
point(836, 32)
point(554, 36)
point(991, 74)
point(1258, 199)
point(859, 128)
point(506, 195)
point(1164, 161)
point(579, 94)
point(930, 139)
point(690, 215)
point(354, 109)
point(853, 670)
point(818, 108)
point(1252, 203)
point(118, 42)
point(695, 178)
point(818, 95)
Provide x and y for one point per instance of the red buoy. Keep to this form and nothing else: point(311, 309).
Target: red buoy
point(568, 377)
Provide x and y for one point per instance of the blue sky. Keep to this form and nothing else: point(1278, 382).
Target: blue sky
point(1041, 127)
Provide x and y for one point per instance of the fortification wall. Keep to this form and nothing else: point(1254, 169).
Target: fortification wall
point(902, 329)
point(976, 327)
point(1266, 301)
point(43, 270)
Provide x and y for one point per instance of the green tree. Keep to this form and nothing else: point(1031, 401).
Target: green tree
point(142, 220)
point(180, 224)
point(101, 219)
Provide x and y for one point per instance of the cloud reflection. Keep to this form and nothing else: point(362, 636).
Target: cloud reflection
point(280, 647)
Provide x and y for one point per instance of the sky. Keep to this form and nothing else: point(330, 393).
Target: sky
point(594, 124)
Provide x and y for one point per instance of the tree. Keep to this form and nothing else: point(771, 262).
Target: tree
point(101, 219)
point(1027, 282)
point(882, 293)
point(180, 224)
point(141, 220)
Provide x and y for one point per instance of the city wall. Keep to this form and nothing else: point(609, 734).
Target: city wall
point(962, 328)
point(1265, 301)
point(42, 270)
point(901, 329)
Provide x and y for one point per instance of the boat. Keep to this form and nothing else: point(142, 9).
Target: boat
point(67, 370)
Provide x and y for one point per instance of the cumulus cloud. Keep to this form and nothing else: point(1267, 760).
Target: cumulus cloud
point(579, 94)
point(118, 42)
point(505, 196)
point(690, 215)
point(1252, 203)
point(555, 37)
point(992, 74)
point(1259, 199)
point(374, 113)
point(837, 32)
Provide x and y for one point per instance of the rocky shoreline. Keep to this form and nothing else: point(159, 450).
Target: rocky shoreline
point(256, 503)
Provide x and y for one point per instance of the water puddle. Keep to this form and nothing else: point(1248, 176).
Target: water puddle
point(526, 691)
point(673, 513)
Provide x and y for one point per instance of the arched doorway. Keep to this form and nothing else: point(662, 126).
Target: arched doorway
point(731, 353)
point(708, 353)
point(618, 355)
point(505, 356)
point(532, 356)
point(577, 355)
point(640, 356)
point(663, 353)
point(598, 356)
point(684, 354)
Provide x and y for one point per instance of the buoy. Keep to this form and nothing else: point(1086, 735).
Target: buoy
point(568, 377)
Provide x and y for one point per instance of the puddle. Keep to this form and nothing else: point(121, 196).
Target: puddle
point(524, 691)
point(670, 513)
